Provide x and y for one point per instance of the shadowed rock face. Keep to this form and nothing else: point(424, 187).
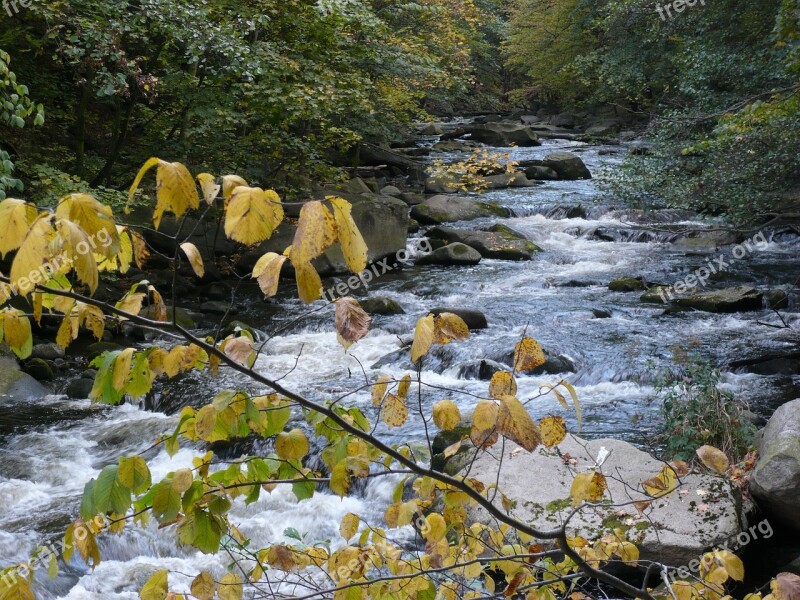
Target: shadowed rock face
point(16, 386)
point(499, 242)
point(775, 482)
point(442, 209)
point(675, 531)
point(567, 165)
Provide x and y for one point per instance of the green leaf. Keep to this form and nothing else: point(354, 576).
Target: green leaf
point(134, 474)
point(109, 493)
point(166, 501)
point(202, 530)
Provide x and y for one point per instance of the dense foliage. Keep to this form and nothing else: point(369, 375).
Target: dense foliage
point(718, 79)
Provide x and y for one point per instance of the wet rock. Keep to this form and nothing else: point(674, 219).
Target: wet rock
point(431, 129)
point(456, 254)
point(498, 242)
point(567, 120)
point(218, 291)
point(775, 482)
point(443, 209)
point(215, 307)
point(381, 305)
point(541, 173)
point(606, 127)
point(184, 317)
point(391, 190)
point(49, 351)
point(566, 212)
point(728, 300)
point(40, 369)
point(356, 185)
point(706, 240)
point(601, 313)
point(673, 533)
point(627, 284)
point(454, 146)
point(776, 299)
point(235, 326)
point(480, 369)
point(567, 165)
point(474, 319)
point(508, 180)
point(504, 135)
point(78, 389)
point(654, 294)
point(641, 148)
point(442, 184)
point(786, 363)
point(97, 348)
point(16, 386)
point(412, 199)
point(413, 226)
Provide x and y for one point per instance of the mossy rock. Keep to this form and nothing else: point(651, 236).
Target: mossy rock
point(627, 284)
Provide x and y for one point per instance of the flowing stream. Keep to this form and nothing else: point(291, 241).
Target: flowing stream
point(56, 445)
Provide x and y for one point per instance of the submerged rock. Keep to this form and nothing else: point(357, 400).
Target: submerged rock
point(474, 319)
point(16, 386)
point(627, 284)
point(706, 511)
point(381, 305)
point(455, 254)
point(498, 242)
point(775, 482)
point(728, 300)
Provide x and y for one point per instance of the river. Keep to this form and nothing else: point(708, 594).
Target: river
point(59, 444)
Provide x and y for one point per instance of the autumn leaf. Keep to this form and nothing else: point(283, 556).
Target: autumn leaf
point(208, 183)
point(352, 323)
point(553, 429)
point(16, 217)
point(349, 525)
point(713, 458)
point(203, 585)
point(229, 184)
point(394, 411)
point(514, 423)
point(379, 389)
point(240, 349)
point(528, 355)
point(268, 272)
point(252, 215)
point(230, 587)
point(589, 486)
point(351, 242)
point(156, 587)
point(446, 415)
point(16, 329)
point(309, 284)
point(95, 218)
point(74, 243)
point(195, 260)
point(292, 445)
point(423, 338)
point(449, 327)
point(502, 384)
point(32, 255)
point(175, 188)
point(483, 432)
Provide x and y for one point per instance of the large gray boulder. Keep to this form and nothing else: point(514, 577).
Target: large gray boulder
point(442, 209)
point(504, 135)
point(16, 386)
point(567, 165)
point(728, 300)
point(498, 241)
point(456, 254)
point(775, 482)
point(675, 529)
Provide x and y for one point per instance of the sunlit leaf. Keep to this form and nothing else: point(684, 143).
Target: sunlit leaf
point(352, 323)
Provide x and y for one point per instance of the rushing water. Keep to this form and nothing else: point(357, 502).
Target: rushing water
point(556, 297)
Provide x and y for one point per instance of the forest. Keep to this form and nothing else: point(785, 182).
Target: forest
point(431, 300)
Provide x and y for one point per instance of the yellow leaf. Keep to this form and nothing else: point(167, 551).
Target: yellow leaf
point(31, 258)
point(268, 272)
point(252, 215)
point(240, 349)
point(449, 327)
point(662, 484)
point(717, 575)
point(404, 386)
point(528, 355)
point(210, 187)
point(732, 563)
point(182, 480)
point(122, 368)
point(140, 251)
point(77, 252)
point(352, 243)
point(230, 587)
point(713, 458)
point(423, 338)
point(629, 553)
point(514, 422)
point(156, 586)
point(291, 445)
point(446, 415)
point(95, 218)
point(309, 285)
point(316, 231)
point(588, 486)
point(578, 413)
point(349, 526)
point(131, 303)
point(683, 590)
point(379, 389)
point(16, 587)
point(553, 429)
point(435, 527)
point(352, 323)
point(175, 188)
point(203, 585)
point(340, 479)
point(16, 217)
point(195, 260)
point(394, 411)
point(502, 384)
point(484, 424)
point(229, 184)
point(17, 332)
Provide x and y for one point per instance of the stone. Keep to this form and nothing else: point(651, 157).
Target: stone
point(700, 240)
point(474, 319)
point(674, 531)
point(779, 363)
point(456, 254)
point(39, 369)
point(381, 305)
point(95, 349)
point(653, 294)
point(777, 299)
point(78, 389)
point(16, 386)
point(627, 284)
point(540, 173)
point(499, 241)
point(391, 190)
point(480, 369)
point(184, 317)
point(508, 180)
point(606, 127)
point(49, 351)
point(431, 129)
point(216, 307)
point(356, 185)
point(567, 165)
point(504, 135)
point(775, 481)
point(442, 184)
point(442, 209)
point(728, 300)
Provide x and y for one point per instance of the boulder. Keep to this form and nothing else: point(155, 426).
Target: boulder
point(442, 209)
point(775, 482)
point(391, 190)
point(706, 511)
point(567, 120)
point(356, 185)
point(607, 127)
point(456, 254)
point(736, 299)
point(474, 319)
point(431, 129)
point(567, 165)
point(540, 173)
point(381, 305)
point(778, 363)
point(498, 242)
point(50, 351)
point(40, 369)
point(705, 240)
point(504, 135)
point(78, 389)
point(627, 284)
point(454, 146)
point(507, 180)
point(442, 184)
point(16, 386)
